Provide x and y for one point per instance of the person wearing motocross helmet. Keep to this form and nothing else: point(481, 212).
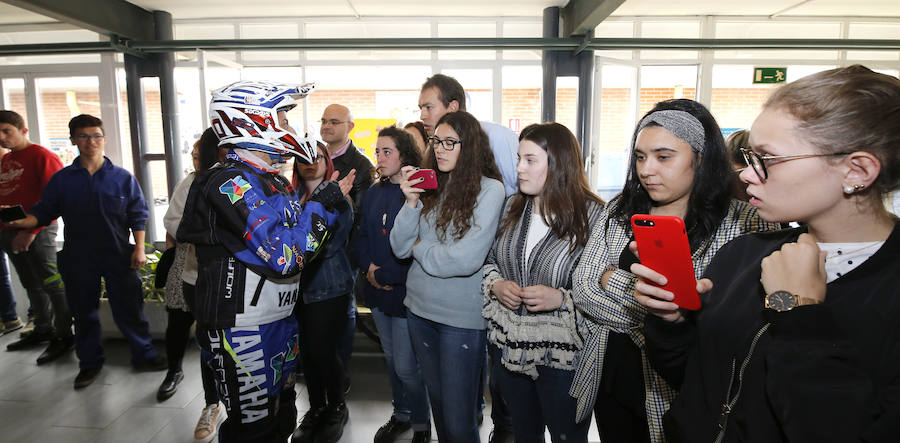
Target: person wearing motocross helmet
point(253, 237)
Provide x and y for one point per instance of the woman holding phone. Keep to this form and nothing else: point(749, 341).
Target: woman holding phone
point(385, 286)
point(798, 338)
point(679, 167)
point(533, 331)
point(448, 232)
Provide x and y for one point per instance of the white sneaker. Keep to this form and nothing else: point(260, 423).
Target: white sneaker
point(207, 425)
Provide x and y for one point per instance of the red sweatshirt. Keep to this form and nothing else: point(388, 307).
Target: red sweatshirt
point(23, 175)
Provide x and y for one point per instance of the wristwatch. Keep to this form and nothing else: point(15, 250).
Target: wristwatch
point(785, 301)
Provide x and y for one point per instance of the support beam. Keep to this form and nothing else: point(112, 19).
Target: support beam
point(582, 16)
point(107, 17)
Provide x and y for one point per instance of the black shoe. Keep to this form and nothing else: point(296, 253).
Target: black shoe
point(31, 340)
point(389, 431)
point(58, 347)
point(157, 363)
point(169, 385)
point(332, 425)
point(501, 436)
point(306, 431)
point(421, 437)
point(86, 376)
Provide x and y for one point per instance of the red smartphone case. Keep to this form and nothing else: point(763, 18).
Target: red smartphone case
point(663, 246)
point(430, 177)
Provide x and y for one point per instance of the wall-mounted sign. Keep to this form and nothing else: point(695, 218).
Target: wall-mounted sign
point(769, 75)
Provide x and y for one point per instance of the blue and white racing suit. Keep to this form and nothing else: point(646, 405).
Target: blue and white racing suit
point(252, 238)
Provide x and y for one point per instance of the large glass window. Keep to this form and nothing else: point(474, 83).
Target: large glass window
point(468, 30)
point(660, 83)
point(14, 96)
point(409, 30)
point(610, 154)
point(478, 84)
point(521, 96)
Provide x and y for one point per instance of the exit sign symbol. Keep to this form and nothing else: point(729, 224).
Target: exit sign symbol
point(769, 75)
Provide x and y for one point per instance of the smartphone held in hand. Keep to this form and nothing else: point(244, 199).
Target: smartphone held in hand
point(430, 177)
point(663, 247)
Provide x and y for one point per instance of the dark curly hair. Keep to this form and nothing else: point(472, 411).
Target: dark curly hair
point(710, 192)
point(406, 147)
point(475, 160)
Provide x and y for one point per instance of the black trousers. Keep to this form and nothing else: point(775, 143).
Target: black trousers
point(322, 325)
point(619, 410)
point(178, 334)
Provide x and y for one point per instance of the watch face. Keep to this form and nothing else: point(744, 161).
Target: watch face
point(781, 300)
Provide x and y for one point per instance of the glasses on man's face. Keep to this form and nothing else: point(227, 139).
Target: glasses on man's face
point(758, 162)
point(332, 122)
point(85, 137)
point(447, 143)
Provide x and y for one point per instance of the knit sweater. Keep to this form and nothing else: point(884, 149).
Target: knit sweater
point(444, 281)
point(530, 339)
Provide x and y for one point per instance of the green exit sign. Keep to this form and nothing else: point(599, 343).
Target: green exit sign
point(769, 75)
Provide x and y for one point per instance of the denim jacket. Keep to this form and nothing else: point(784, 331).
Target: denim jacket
point(329, 275)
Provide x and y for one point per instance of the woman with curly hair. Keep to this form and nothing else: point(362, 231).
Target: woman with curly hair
point(448, 232)
point(385, 286)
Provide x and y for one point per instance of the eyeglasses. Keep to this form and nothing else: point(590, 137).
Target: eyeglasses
point(447, 143)
point(333, 122)
point(758, 162)
point(84, 137)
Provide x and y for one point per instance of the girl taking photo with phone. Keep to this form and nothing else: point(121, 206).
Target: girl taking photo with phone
point(448, 232)
point(798, 338)
point(679, 167)
point(385, 286)
point(532, 326)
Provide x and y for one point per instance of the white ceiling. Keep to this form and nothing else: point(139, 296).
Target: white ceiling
point(195, 9)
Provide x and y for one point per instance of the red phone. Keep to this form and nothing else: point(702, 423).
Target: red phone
point(430, 177)
point(663, 246)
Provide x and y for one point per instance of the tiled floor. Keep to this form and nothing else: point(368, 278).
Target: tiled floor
point(38, 403)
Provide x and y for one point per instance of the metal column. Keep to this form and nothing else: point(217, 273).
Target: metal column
point(549, 65)
point(168, 103)
point(137, 122)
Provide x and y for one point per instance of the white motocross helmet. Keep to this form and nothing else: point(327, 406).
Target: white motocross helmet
point(245, 114)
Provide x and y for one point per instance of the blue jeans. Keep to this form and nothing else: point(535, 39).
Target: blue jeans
point(451, 360)
point(534, 404)
point(407, 387)
point(7, 299)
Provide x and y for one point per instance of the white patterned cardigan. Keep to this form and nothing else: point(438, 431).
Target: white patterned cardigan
point(615, 308)
point(530, 339)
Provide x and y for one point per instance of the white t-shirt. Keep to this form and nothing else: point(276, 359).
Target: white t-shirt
point(536, 231)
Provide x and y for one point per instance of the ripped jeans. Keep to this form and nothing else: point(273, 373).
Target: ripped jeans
point(451, 360)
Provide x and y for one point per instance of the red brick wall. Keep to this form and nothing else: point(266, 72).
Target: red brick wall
point(737, 107)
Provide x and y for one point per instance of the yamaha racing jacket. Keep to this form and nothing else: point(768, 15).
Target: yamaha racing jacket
point(252, 238)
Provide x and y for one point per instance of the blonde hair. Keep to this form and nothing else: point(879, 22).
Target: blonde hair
point(848, 110)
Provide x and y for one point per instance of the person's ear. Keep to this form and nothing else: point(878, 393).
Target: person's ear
point(861, 169)
point(24, 131)
point(454, 106)
point(351, 125)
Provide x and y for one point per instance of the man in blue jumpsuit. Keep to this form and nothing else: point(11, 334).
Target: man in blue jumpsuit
point(252, 238)
point(101, 205)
